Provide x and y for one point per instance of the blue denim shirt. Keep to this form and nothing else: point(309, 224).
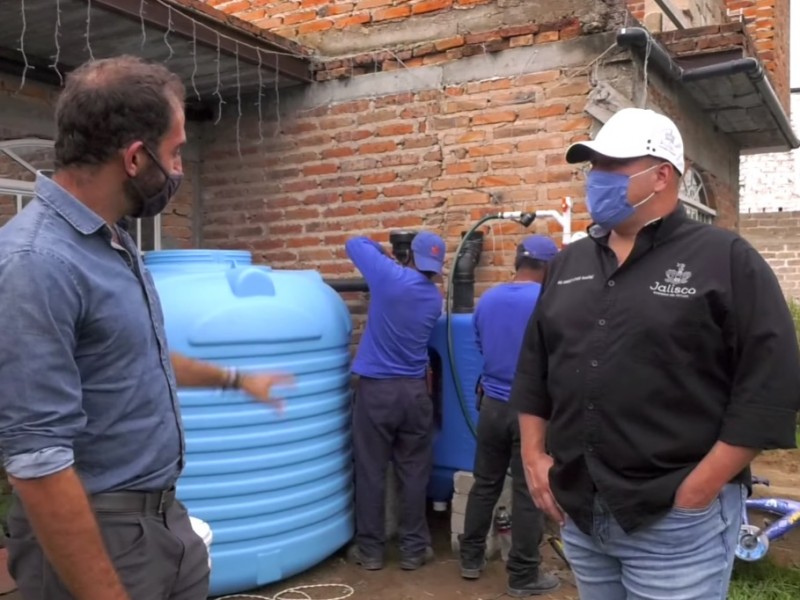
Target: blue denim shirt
point(85, 372)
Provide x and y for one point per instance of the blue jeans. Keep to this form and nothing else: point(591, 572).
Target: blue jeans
point(686, 555)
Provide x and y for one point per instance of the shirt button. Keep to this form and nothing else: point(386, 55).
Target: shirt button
point(590, 406)
point(611, 283)
point(601, 322)
point(590, 449)
point(594, 363)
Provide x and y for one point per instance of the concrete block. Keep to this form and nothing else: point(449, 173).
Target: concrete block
point(459, 504)
point(462, 482)
point(456, 523)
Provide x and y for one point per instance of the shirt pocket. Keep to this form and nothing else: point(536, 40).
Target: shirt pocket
point(675, 333)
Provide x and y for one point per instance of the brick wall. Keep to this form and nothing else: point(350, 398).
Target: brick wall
point(771, 182)
point(296, 18)
point(696, 13)
point(434, 159)
point(777, 236)
point(338, 27)
point(768, 24)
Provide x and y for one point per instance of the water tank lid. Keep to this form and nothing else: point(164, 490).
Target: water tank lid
point(235, 257)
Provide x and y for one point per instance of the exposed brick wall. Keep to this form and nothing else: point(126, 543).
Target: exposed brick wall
point(695, 13)
point(294, 18)
point(449, 49)
point(711, 38)
point(777, 236)
point(436, 159)
point(342, 28)
point(771, 182)
point(768, 24)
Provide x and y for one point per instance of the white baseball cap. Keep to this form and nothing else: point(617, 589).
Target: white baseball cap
point(630, 133)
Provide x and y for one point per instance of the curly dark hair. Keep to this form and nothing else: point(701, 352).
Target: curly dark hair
point(107, 104)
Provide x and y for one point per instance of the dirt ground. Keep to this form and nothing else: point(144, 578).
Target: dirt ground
point(439, 580)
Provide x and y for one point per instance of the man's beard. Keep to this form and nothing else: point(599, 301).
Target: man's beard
point(145, 185)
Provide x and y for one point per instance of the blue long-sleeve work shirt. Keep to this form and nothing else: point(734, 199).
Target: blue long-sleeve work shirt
point(404, 306)
point(500, 320)
point(85, 372)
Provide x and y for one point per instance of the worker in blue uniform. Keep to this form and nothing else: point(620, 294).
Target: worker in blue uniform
point(393, 411)
point(500, 320)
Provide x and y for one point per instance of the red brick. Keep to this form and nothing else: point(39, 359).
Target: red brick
point(447, 44)
point(386, 14)
point(521, 40)
point(320, 169)
point(345, 210)
point(469, 198)
point(542, 142)
point(338, 152)
point(299, 17)
point(367, 4)
point(396, 129)
point(492, 118)
point(351, 20)
point(301, 185)
point(427, 6)
point(540, 111)
point(377, 147)
point(374, 178)
point(361, 195)
point(499, 180)
point(315, 26)
point(465, 105)
point(546, 37)
point(466, 167)
point(490, 150)
point(451, 184)
point(482, 38)
point(402, 190)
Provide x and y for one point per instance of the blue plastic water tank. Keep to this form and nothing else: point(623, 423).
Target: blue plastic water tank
point(454, 446)
point(276, 491)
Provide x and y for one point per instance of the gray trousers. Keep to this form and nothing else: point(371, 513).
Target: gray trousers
point(392, 421)
point(157, 557)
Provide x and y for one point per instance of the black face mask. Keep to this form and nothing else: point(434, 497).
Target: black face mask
point(153, 202)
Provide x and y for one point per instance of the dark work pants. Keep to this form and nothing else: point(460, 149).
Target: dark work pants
point(392, 421)
point(157, 557)
point(499, 445)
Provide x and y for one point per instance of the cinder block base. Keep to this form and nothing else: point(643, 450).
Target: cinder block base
point(462, 482)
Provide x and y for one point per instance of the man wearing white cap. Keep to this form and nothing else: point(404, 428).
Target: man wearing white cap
point(660, 360)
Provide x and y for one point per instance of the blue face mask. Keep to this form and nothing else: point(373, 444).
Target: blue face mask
point(607, 197)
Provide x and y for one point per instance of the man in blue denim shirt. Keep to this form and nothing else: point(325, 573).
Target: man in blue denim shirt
point(90, 427)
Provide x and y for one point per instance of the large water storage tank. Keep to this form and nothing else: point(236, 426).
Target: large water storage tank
point(454, 445)
point(275, 490)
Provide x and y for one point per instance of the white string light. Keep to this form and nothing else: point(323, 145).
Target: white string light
point(277, 96)
point(238, 104)
point(22, 45)
point(57, 56)
point(141, 20)
point(166, 34)
point(260, 96)
point(217, 92)
point(645, 67)
point(89, 29)
point(194, 60)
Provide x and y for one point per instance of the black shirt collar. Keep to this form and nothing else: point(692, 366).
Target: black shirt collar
point(657, 231)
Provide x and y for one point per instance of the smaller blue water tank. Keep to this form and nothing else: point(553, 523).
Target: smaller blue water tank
point(275, 490)
point(454, 446)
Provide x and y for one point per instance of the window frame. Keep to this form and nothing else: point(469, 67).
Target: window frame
point(25, 189)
